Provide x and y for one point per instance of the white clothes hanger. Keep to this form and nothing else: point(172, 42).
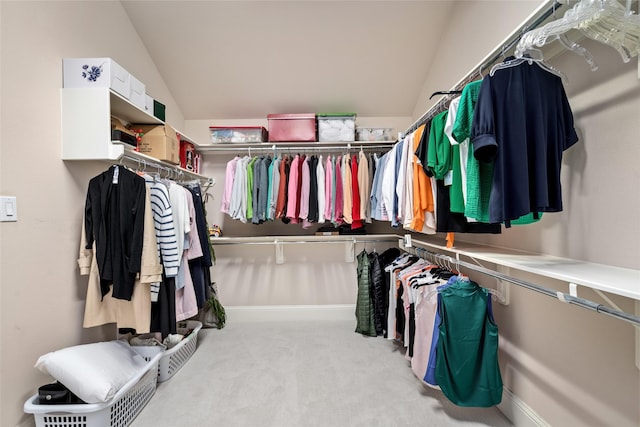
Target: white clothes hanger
point(606, 21)
point(538, 61)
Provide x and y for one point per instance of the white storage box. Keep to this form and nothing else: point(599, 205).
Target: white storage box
point(138, 96)
point(125, 405)
point(336, 127)
point(375, 134)
point(174, 358)
point(96, 72)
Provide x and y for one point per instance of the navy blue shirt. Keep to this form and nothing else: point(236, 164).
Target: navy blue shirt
point(523, 123)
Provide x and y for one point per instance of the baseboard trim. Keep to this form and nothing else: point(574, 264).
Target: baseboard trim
point(518, 412)
point(281, 313)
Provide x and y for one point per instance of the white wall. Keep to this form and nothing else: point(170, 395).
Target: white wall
point(570, 365)
point(42, 300)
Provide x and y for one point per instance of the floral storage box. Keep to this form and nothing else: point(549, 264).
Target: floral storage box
point(96, 72)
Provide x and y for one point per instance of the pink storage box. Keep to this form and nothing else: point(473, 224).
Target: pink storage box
point(292, 127)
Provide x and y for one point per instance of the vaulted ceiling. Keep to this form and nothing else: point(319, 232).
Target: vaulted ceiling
point(245, 59)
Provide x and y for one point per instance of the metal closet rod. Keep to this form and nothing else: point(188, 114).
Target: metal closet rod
point(570, 299)
point(277, 241)
point(294, 148)
point(173, 172)
point(483, 67)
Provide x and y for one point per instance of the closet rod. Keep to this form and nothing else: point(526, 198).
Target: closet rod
point(486, 63)
point(581, 302)
point(276, 241)
point(297, 148)
point(173, 171)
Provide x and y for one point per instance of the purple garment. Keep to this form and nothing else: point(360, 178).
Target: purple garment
point(328, 182)
point(339, 197)
point(304, 190)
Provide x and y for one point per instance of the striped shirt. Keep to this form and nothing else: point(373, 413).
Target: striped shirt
point(165, 231)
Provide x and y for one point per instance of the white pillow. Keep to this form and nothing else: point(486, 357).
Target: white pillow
point(93, 372)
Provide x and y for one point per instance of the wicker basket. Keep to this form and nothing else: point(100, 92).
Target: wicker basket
point(173, 359)
point(118, 412)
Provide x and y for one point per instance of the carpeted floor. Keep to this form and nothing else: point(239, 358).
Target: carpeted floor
point(301, 374)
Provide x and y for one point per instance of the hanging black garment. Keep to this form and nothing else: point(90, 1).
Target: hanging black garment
point(364, 307)
point(423, 148)
point(163, 312)
point(313, 214)
point(114, 218)
point(377, 292)
point(201, 223)
point(447, 221)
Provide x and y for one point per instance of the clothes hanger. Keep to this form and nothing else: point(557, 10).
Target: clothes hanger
point(606, 21)
point(538, 61)
point(445, 92)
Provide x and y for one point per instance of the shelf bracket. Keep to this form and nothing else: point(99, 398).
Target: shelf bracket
point(503, 286)
point(279, 251)
point(350, 251)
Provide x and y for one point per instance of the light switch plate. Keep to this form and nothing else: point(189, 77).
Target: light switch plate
point(8, 209)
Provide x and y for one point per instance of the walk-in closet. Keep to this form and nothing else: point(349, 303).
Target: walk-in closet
point(311, 213)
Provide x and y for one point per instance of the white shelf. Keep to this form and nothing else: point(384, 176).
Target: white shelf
point(606, 278)
point(86, 123)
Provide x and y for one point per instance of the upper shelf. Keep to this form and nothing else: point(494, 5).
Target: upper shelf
point(86, 123)
point(607, 278)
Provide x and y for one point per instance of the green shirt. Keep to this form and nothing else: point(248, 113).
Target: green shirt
point(439, 154)
point(250, 187)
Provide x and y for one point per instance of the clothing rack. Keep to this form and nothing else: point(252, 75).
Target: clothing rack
point(450, 262)
point(535, 20)
point(172, 172)
point(291, 147)
point(281, 240)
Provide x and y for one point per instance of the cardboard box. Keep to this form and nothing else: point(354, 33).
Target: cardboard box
point(96, 72)
point(292, 127)
point(138, 95)
point(159, 141)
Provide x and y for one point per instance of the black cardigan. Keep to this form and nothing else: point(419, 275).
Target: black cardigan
point(114, 218)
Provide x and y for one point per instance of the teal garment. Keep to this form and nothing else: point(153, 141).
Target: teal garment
point(250, 187)
point(439, 158)
point(467, 369)
point(364, 304)
point(270, 187)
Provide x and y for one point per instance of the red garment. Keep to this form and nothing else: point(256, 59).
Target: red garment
point(339, 196)
point(355, 191)
point(282, 189)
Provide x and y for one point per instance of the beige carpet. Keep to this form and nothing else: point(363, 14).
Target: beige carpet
point(301, 374)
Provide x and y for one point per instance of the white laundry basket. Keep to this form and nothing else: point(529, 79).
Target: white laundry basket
point(174, 358)
point(125, 405)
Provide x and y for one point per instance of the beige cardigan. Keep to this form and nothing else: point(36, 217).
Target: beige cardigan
point(136, 313)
